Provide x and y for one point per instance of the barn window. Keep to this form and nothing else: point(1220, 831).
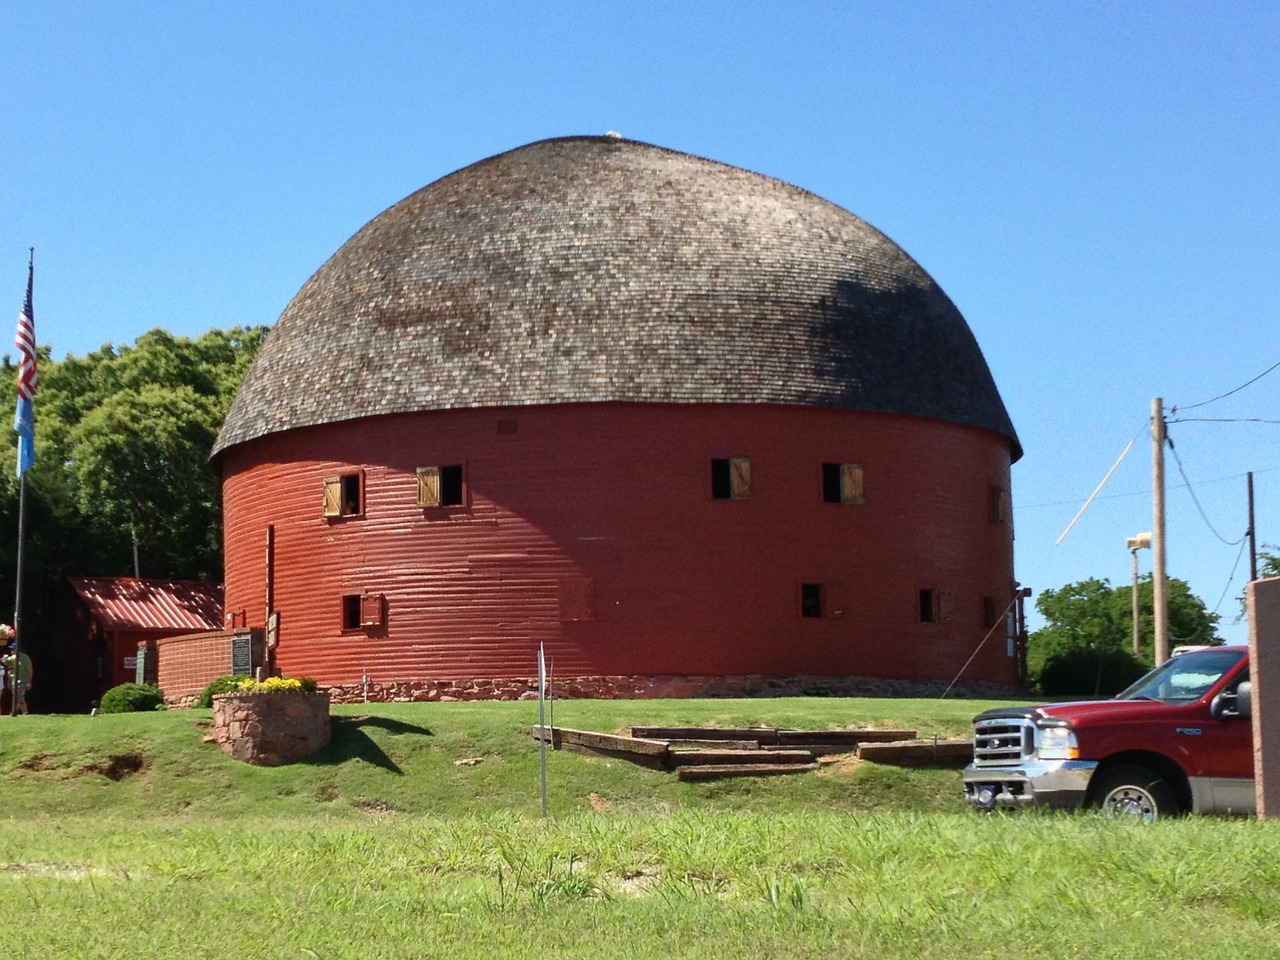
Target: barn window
point(576, 597)
point(990, 612)
point(999, 505)
point(810, 599)
point(342, 496)
point(731, 478)
point(842, 483)
point(440, 486)
point(361, 610)
point(929, 606)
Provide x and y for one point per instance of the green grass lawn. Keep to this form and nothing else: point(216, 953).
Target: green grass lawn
point(129, 836)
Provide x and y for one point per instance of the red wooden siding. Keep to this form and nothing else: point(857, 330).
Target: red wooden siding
point(593, 529)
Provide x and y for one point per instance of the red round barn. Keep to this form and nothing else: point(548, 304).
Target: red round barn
point(666, 417)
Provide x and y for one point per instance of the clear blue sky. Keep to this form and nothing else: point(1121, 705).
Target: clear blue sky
point(1096, 185)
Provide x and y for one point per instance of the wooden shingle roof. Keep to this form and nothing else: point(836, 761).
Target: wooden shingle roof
point(592, 269)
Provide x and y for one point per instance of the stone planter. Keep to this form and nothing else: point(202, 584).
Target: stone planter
point(271, 729)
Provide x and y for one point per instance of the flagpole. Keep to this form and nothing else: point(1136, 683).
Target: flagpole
point(17, 606)
point(25, 426)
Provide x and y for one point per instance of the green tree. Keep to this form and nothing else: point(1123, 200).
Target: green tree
point(1268, 562)
point(1086, 645)
point(123, 437)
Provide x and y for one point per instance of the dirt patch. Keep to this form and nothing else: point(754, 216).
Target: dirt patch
point(39, 761)
point(636, 883)
point(597, 802)
point(119, 766)
point(376, 808)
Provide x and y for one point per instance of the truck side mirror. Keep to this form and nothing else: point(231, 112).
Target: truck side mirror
point(1244, 699)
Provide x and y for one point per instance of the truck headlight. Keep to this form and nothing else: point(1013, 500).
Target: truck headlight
point(1057, 743)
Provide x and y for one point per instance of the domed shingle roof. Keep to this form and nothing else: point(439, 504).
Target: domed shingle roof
point(592, 269)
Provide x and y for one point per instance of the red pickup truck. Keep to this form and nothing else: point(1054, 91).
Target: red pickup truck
point(1179, 740)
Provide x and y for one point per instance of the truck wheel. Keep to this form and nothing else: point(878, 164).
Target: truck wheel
point(1133, 791)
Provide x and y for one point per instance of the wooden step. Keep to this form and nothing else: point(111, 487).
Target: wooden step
point(653, 753)
point(717, 770)
point(689, 758)
point(918, 753)
point(761, 735)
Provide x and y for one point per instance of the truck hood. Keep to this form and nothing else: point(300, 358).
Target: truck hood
point(1112, 711)
point(1081, 710)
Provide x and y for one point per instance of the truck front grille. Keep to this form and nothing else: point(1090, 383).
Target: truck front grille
point(1003, 742)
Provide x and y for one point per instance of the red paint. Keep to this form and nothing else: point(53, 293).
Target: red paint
point(592, 529)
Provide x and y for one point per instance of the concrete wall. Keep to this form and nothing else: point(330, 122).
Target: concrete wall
point(1263, 597)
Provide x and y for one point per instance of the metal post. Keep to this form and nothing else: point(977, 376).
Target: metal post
point(17, 606)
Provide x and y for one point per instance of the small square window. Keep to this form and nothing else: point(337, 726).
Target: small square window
point(351, 612)
point(440, 486)
point(342, 496)
point(811, 600)
point(731, 478)
point(990, 612)
point(361, 610)
point(929, 606)
point(842, 483)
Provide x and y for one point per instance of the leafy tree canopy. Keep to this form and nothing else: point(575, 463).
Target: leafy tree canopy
point(122, 441)
point(1268, 562)
point(1089, 627)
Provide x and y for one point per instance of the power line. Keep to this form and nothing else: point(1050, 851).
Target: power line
point(1196, 500)
point(1230, 579)
point(1205, 403)
point(1221, 420)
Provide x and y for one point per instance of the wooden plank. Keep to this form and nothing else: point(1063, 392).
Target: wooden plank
point(564, 736)
point(714, 744)
point(684, 758)
point(918, 753)
point(850, 737)
point(760, 735)
point(715, 771)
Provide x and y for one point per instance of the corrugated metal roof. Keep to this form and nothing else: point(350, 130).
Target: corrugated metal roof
point(128, 603)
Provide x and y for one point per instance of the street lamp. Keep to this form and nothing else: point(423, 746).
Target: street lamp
point(1141, 542)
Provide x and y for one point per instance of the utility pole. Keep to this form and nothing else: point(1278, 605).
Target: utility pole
point(1253, 535)
point(1160, 598)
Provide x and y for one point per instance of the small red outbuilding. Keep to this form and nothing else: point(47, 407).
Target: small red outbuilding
point(119, 613)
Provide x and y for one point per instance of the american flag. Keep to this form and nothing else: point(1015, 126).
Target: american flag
point(24, 421)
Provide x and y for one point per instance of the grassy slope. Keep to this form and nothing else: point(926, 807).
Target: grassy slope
point(382, 846)
point(401, 758)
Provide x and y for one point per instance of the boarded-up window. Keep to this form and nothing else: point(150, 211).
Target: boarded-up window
point(731, 478)
point(342, 496)
point(999, 505)
point(842, 483)
point(440, 486)
point(577, 598)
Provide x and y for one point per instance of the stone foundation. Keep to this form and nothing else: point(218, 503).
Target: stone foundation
point(271, 729)
point(645, 687)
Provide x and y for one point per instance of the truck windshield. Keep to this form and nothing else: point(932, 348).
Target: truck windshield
point(1186, 678)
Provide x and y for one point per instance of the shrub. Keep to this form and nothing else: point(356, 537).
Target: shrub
point(221, 685)
point(276, 685)
point(1091, 673)
point(132, 698)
